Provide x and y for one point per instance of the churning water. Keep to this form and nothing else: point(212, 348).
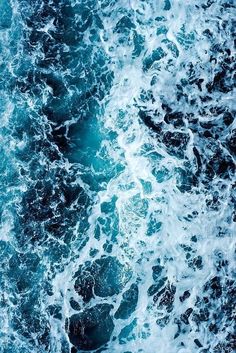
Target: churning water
point(117, 146)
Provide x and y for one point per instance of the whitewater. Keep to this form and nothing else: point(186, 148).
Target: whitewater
point(117, 176)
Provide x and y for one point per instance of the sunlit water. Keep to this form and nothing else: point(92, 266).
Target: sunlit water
point(117, 145)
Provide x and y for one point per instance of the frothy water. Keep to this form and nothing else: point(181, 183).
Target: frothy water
point(117, 176)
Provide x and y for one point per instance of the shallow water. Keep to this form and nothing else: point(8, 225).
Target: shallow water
point(117, 201)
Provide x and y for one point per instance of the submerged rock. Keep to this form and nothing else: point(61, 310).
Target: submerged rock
point(92, 328)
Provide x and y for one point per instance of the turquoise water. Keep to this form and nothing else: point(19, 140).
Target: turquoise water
point(117, 201)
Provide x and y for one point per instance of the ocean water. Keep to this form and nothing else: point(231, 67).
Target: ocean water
point(117, 157)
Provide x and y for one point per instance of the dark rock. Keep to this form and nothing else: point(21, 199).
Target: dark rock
point(92, 328)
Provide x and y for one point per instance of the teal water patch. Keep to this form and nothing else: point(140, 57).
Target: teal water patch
point(6, 14)
point(156, 55)
point(128, 303)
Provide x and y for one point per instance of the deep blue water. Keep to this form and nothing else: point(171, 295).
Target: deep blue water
point(117, 157)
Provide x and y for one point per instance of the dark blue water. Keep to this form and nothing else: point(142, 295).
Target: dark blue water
point(117, 201)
